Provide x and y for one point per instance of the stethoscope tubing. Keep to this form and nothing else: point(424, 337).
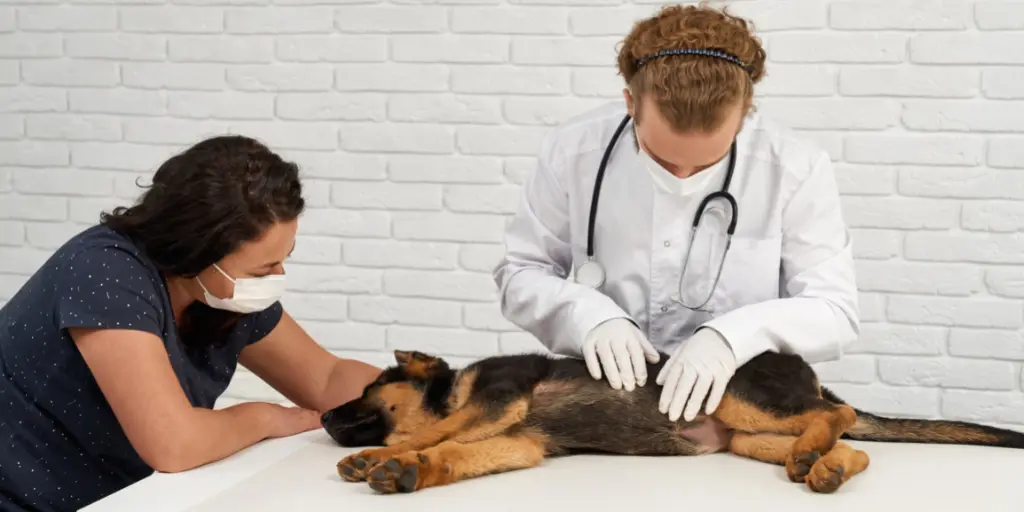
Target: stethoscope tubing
point(598, 182)
point(723, 193)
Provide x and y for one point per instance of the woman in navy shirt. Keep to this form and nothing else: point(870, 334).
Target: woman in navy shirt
point(113, 353)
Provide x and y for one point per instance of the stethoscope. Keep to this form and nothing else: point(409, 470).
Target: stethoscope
point(592, 273)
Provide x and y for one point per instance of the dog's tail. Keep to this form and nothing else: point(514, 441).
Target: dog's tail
point(870, 427)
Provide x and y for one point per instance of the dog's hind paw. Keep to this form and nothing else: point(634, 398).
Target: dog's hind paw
point(824, 479)
point(836, 468)
point(799, 466)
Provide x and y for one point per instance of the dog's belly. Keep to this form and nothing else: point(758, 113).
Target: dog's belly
point(589, 415)
point(709, 436)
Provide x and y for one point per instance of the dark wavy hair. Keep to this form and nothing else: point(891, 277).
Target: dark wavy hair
point(203, 204)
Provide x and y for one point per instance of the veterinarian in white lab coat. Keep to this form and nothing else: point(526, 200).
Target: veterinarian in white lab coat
point(783, 281)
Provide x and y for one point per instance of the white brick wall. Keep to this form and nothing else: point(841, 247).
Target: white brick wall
point(416, 122)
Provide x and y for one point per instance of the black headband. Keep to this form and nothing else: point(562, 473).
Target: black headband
point(707, 52)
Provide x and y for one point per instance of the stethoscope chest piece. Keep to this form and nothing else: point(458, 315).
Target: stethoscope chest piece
point(590, 274)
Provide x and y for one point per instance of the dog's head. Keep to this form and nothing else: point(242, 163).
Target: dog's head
point(405, 397)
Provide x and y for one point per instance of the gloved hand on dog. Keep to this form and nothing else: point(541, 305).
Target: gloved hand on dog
point(619, 347)
point(703, 363)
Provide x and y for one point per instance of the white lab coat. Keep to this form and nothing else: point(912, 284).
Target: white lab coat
point(787, 284)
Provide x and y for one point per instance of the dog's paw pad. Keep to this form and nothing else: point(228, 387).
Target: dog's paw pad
point(354, 467)
point(824, 479)
point(800, 464)
point(398, 475)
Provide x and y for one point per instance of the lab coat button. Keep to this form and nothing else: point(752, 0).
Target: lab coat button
point(664, 309)
point(667, 243)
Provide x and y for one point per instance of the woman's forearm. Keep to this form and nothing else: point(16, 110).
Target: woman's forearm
point(205, 436)
point(346, 382)
point(210, 435)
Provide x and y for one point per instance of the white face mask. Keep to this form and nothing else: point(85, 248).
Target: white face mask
point(667, 181)
point(251, 293)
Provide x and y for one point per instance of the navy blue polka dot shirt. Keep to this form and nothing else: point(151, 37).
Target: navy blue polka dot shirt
point(61, 447)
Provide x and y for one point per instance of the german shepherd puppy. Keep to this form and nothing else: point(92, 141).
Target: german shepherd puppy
point(435, 425)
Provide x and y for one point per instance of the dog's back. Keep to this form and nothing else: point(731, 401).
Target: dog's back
point(577, 413)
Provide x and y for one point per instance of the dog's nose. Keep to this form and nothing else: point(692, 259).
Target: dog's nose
point(325, 417)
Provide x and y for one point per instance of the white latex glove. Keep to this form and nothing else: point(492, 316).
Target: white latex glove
point(703, 363)
point(621, 349)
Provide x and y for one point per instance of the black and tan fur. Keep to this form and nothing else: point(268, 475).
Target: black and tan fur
point(437, 425)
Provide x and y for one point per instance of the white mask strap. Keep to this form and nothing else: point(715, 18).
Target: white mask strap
point(203, 286)
point(224, 273)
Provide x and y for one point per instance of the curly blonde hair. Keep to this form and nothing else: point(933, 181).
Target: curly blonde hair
point(692, 92)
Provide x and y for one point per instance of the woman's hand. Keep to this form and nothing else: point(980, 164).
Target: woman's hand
point(303, 371)
point(699, 370)
point(287, 421)
point(622, 350)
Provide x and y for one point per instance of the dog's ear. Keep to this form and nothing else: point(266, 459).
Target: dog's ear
point(418, 365)
point(403, 357)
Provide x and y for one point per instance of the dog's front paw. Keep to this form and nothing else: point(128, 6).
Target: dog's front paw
point(355, 467)
point(405, 473)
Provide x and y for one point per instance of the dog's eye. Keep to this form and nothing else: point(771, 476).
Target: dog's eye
point(393, 407)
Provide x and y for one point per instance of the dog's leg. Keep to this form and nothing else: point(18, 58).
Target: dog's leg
point(818, 428)
point(450, 462)
point(466, 425)
point(355, 467)
point(820, 436)
point(825, 476)
point(511, 415)
point(836, 467)
point(770, 448)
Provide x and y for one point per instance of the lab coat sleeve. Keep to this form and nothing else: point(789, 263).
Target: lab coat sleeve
point(818, 315)
point(534, 293)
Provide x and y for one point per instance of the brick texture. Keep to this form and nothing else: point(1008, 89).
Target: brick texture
point(417, 123)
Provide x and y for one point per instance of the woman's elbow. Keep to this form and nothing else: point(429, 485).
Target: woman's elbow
point(170, 453)
point(168, 460)
point(170, 468)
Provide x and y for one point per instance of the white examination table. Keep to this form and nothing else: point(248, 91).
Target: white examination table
point(298, 474)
